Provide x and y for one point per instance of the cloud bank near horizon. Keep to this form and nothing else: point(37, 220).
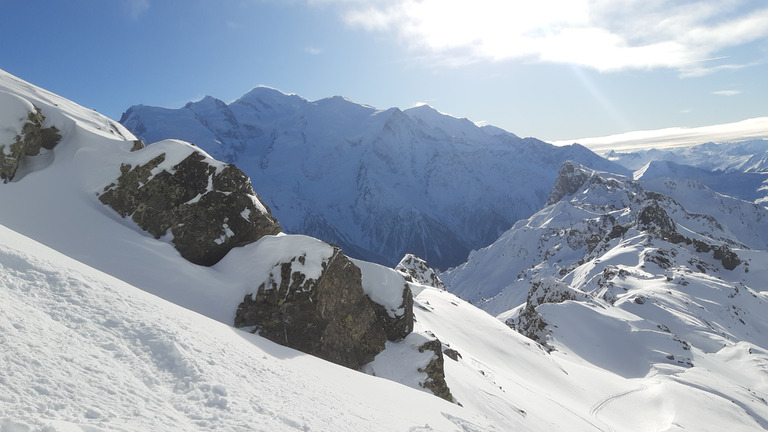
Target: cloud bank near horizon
point(755, 128)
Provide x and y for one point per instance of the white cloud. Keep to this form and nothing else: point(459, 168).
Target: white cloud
point(607, 35)
point(727, 92)
point(313, 50)
point(755, 128)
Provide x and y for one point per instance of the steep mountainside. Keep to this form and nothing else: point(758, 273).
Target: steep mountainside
point(378, 183)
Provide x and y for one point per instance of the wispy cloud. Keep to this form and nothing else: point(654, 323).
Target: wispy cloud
point(136, 7)
point(313, 50)
point(607, 35)
point(727, 92)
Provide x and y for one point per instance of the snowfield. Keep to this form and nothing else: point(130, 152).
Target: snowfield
point(83, 351)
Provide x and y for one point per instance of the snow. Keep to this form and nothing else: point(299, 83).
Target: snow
point(13, 115)
point(103, 327)
point(383, 285)
point(378, 183)
point(83, 351)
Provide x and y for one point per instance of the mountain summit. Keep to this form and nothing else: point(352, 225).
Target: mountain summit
point(378, 183)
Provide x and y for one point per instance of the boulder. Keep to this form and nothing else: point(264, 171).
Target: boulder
point(328, 316)
point(207, 207)
point(435, 370)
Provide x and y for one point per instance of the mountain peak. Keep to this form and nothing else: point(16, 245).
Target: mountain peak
point(570, 179)
point(206, 102)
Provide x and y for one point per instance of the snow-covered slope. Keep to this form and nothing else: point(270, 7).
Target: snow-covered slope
point(661, 282)
point(83, 351)
point(378, 183)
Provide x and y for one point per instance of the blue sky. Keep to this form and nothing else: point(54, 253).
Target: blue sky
point(553, 69)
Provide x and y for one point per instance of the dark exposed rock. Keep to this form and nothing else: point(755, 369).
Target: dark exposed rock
point(727, 257)
point(452, 354)
point(529, 322)
point(206, 222)
point(435, 371)
point(654, 218)
point(137, 145)
point(570, 178)
point(33, 137)
point(416, 270)
point(399, 326)
point(330, 317)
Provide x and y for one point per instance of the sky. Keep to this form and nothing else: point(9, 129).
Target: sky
point(557, 70)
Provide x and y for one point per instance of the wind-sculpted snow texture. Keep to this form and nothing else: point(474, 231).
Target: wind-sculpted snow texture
point(379, 184)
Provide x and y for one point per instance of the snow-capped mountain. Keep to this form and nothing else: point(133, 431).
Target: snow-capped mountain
point(738, 169)
point(378, 183)
point(588, 212)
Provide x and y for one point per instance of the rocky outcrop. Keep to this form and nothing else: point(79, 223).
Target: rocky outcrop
point(416, 270)
point(396, 326)
point(529, 322)
point(653, 218)
point(32, 138)
point(435, 371)
point(207, 207)
point(570, 178)
point(329, 315)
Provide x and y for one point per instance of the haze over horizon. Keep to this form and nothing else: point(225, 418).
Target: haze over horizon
point(556, 71)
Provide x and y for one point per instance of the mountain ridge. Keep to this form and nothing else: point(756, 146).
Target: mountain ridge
point(379, 183)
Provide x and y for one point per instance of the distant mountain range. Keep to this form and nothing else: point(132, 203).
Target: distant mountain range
point(738, 169)
point(379, 183)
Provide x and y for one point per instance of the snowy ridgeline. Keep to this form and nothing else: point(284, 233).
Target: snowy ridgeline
point(379, 183)
point(107, 328)
point(738, 169)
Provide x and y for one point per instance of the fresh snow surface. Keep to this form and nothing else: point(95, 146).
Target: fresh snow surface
point(83, 351)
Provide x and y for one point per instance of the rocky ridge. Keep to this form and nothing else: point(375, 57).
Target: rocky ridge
point(608, 250)
point(207, 208)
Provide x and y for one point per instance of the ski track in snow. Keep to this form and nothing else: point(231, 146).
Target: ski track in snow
point(596, 408)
